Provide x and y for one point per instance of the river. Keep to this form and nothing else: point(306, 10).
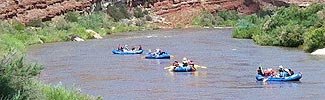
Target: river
point(231, 71)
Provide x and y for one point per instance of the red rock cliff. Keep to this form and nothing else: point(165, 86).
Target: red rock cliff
point(28, 10)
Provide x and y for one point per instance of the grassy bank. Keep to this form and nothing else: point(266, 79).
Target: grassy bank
point(288, 27)
point(18, 82)
point(15, 35)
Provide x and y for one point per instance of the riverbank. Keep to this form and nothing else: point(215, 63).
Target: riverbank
point(292, 26)
point(280, 30)
point(288, 27)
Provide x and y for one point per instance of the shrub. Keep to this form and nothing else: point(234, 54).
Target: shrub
point(7, 28)
point(8, 41)
point(207, 19)
point(245, 29)
point(35, 23)
point(59, 92)
point(290, 35)
point(314, 39)
point(228, 15)
point(118, 12)
point(71, 16)
point(16, 77)
point(138, 13)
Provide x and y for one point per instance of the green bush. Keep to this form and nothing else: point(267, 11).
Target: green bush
point(245, 29)
point(290, 35)
point(222, 18)
point(7, 28)
point(59, 92)
point(314, 39)
point(8, 41)
point(35, 23)
point(229, 15)
point(207, 19)
point(248, 26)
point(16, 77)
point(118, 12)
point(265, 39)
point(138, 13)
point(286, 27)
point(71, 16)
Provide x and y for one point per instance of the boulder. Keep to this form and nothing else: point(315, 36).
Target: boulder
point(94, 34)
point(319, 52)
point(74, 37)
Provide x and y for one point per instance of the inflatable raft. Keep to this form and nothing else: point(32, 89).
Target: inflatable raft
point(294, 77)
point(127, 52)
point(161, 56)
point(183, 69)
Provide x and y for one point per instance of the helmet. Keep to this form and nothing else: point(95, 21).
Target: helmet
point(184, 59)
point(281, 66)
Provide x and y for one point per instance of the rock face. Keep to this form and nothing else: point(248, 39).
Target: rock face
point(28, 10)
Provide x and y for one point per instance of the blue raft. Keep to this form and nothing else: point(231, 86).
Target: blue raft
point(294, 77)
point(161, 56)
point(183, 69)
point(127, 52)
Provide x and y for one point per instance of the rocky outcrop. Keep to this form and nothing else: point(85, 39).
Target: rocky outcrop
point(94, 34)
point(319, 52)
point(243, 6)
point(28, 10)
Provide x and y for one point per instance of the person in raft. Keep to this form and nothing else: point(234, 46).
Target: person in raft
point(260, 71)
point(191, 64)
point(120, 48)
point(185, 62)
point(175, 64)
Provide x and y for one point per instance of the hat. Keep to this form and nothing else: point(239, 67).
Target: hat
point(184, 59)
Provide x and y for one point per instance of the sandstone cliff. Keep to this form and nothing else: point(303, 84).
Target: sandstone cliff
point(28, 10)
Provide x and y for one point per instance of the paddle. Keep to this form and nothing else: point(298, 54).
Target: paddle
point(196, 66)
point(169, 67)
point(265, 79)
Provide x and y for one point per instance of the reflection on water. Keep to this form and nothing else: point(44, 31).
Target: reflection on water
point(231, 70)
point(275, 84)
point(190, 74)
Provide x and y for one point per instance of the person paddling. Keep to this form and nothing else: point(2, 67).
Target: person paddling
point(185, 62)
point(175, 64)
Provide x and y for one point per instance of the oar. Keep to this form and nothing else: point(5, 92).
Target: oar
point(265, 79)
point(172, 56)
point(197, 66)
point(143, 57)
point(169, 67)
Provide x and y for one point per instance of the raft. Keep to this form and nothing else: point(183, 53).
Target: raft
point(183, 69)
point(294, 77)
point(162, 56)
point(127, 52)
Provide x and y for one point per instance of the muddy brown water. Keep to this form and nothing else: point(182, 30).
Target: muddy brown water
point(231, 71)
